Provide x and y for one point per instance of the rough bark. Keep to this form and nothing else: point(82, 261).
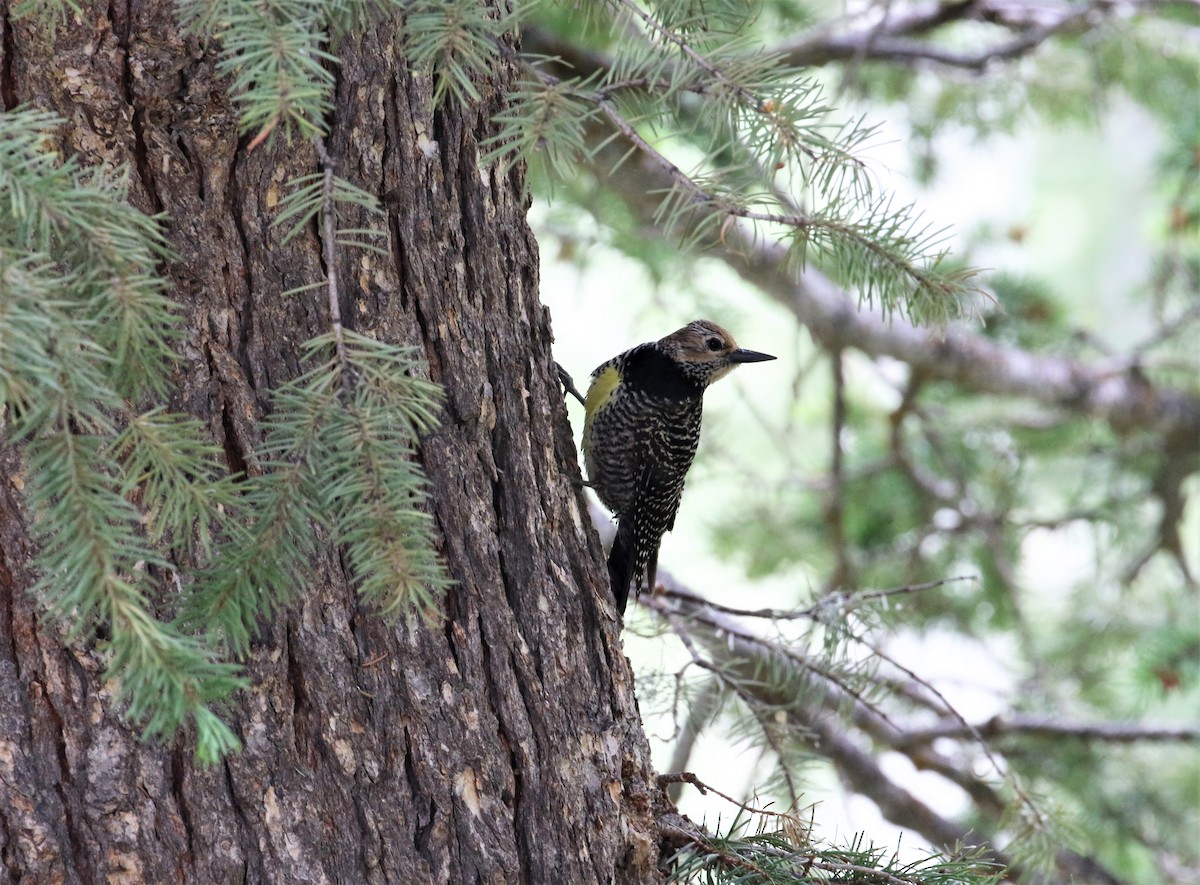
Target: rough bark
point(502, 746)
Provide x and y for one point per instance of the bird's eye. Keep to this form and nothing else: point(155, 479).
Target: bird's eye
point(714, 344)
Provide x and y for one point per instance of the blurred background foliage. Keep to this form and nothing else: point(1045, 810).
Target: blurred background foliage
point(1032, 678)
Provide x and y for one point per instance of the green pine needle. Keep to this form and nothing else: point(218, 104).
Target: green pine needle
point(456, 40)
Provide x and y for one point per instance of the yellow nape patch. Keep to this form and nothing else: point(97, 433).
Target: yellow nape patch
point(599, 394)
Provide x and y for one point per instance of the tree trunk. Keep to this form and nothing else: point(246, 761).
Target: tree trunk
point(503, 745)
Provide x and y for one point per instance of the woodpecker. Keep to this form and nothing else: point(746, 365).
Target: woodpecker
point(641, 427)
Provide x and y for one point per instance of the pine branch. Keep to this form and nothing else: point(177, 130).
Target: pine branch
point(369, 485)
point(268, 556)
point(881, 249)
point(282, 76)
point(176, 475)
point(113, 495)
point(738, 655)
point(338, 452)
point(1114, 391)
point(75, 224)
point(455, 41)
point(785, 854)
point(374, 490)
point(718, 77)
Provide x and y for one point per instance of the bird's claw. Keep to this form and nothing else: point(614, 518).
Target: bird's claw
point(568, 383)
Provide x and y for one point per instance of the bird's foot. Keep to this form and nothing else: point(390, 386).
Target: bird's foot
point(568, 383)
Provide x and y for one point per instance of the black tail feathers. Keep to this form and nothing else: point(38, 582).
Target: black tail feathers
point(621, 563)
point(627, 564)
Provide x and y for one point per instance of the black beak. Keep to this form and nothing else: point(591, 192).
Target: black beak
point(741, 355)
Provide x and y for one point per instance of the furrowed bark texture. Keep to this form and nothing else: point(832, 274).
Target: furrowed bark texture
point(502, 746)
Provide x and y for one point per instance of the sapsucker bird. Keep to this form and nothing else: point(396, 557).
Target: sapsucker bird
point(640, 432)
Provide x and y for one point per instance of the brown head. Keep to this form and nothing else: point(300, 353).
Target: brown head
point(707, 352)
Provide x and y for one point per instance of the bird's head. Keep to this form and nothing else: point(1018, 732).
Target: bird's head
point(708, 352)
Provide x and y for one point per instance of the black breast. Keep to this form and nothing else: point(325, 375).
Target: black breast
point(650, 370)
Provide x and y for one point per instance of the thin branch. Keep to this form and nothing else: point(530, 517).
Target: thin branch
point(1035, 726)
point(892, 38)
point(834, 512)
point(1002, 771)
point(700, 710)
point(329, 246)
point(731, 635)
point(854, 764)
point(925, 758)
point(746, 648)
point(687, 777)
point(816, 611)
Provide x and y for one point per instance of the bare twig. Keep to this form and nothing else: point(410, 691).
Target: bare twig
point(699, 711)
point(1034, 726)
point(829, 603)
point(687, 777)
